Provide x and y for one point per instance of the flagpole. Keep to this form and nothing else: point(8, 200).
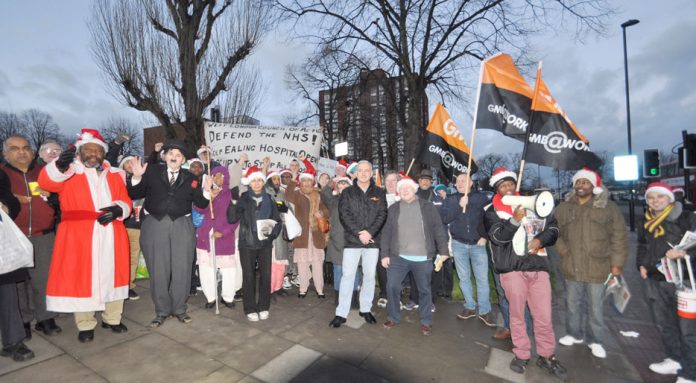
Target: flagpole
point(473, 131)
point(526, 133)
point(411, 165)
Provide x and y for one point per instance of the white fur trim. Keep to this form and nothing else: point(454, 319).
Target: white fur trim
point(660, 190)
point(307, 176)
point(126, 210)
point(252, 176)
point(495, 178)
point(597, 190)
point(55, 175)
point(88, 138)
point(406, 182)
point(590, 176)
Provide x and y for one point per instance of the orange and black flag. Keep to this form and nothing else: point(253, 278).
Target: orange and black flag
point(504, 98)
point(443, 146)
point(553, 139)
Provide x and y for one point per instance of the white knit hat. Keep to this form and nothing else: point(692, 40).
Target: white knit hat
point(591, 176)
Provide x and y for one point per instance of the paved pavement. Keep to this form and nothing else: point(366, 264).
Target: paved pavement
point(296, 345)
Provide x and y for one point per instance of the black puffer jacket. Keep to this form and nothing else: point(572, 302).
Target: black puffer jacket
point(360, 211)
point(246, 211)
point(650, 249)
point(500, 234)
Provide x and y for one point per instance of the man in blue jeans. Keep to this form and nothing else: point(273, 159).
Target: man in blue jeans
point(362, 209)
point(411, 239)
point(463, 212)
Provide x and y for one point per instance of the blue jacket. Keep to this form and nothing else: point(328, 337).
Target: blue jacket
point(467, 228)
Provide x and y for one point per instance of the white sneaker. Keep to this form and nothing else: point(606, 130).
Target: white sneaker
point(382, 302)
point(666, 367)
point(684, 380)
point(263, 315)
point(568, 340)
point(286, 283)
point(253, 317)
point(597, 350)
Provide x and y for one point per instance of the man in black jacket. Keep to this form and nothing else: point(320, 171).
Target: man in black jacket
point(167, 236)
point(11, 329)
point(524, 273)
point(411, 239)
point(362, 209)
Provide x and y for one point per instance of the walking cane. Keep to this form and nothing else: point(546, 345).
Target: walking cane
point(212, 238)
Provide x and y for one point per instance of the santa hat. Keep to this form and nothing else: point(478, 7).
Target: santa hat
point(251, 174)
point(406, 181)
point(353, 167)
point(591, 176)
point(660, 188)
point(308, 174)
point(124, 160)
point(501, 174)
point(678, 189)
point(284, 171)
point(92, 136)
point(202, 149)
point(196, 160)
point(342, 164)
point(343, 179)
point(272, 173)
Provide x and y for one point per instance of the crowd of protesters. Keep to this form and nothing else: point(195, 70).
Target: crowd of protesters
point(90, 210)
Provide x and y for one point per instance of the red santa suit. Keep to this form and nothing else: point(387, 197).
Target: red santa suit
point(90, 265)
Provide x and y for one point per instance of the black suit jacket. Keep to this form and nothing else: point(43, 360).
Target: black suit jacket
point(161, 199)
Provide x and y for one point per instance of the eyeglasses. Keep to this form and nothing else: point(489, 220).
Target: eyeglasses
point(53, 151)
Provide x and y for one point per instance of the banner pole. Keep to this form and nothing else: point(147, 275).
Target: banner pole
point(529, 127)
point(473, 135)
point(411, 165)
point(210, 159)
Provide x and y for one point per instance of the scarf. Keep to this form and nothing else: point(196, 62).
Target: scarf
point(499, 206)
point(653, 223)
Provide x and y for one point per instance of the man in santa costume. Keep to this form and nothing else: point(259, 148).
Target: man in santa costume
point(90, 266)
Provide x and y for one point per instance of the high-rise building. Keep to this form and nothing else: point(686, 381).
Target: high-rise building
point(371, 116)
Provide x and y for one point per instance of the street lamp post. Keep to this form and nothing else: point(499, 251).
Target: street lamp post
point(631, 202)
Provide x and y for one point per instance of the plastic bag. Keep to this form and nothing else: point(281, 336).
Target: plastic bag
point(16, 249)
point(141, 271)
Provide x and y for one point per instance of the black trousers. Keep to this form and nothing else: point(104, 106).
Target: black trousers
point(382, 280)
point(11, 325)
point(32, 292)
point(443, 281)
point(248, 259)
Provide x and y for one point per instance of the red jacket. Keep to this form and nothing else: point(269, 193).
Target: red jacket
point(35, 217)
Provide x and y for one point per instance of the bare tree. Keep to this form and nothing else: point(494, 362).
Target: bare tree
point(434, 44)
point(115, 126)
point(11, 124)
point(486, 166)
point(39, 127)
point(173, 58)
point(245, 91)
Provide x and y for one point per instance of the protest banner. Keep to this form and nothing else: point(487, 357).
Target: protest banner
point(280, 143)
point(328, 166)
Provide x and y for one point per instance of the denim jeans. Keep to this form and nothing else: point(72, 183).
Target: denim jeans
point(351, 260)
point(583, 302)
point(466, 258)
point(338, 273)
point(422, 273)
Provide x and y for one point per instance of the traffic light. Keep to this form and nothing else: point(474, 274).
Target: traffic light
point(651, 163)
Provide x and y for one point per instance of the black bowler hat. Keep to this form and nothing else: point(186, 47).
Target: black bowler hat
point(177, 144)
point(426, 173)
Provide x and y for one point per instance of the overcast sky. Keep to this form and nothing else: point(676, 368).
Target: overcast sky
point(45, 63)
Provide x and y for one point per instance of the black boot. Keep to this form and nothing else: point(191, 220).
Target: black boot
point(552, 366)
point(19, 352)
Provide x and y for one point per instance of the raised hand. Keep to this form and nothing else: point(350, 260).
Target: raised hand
point(243, 158)
point(65, 159)
point(158, 146)
point(138, 168)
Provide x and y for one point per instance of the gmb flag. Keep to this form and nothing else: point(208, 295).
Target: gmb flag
point(553, 139)
point(504, 98)
point(443, 146)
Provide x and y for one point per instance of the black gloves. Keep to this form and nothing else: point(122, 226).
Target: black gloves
point(110, 214)
point(66, 158)
point(282, 207)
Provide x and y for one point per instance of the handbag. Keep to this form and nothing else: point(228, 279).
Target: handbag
point(323, 225)
point(16, 251)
